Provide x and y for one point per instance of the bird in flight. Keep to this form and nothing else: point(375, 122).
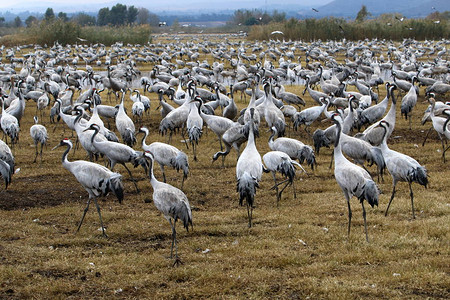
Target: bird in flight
point(315, 9)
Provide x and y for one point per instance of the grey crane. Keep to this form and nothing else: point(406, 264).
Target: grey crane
point(39, 135)
point(172, 203)
point(438, 125)
point(315, 95)
point(402, 168)
point(230, 111)
point(249, 170)
point(166, 155)
point(7, 163)
point(116, 152)
point(408, 102)
point(194, 124)
point(353, 180)
point(292, 147)
point(97, 180)
point(272, 114)
point(234, 137)
point(277, 161)
point(374, 134)
point(374, 113)
point(9, 125)
point(309, 115)
point(446, 129)
point(115, 84)
point(125, 125)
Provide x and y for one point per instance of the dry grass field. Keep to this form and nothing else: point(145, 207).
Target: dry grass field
point(298, 250)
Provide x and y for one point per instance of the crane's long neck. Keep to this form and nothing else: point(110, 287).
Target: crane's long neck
point(338, 156)
point(65, 161)
point(383, 145)
point(445, 124)
point(274, 132)
point(153, 179)
point(96, 129)
point(144, 144)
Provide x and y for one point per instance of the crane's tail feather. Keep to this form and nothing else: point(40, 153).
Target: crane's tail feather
point(116, 186)
point(181, 162)
point(370, 192)
point(287, 169)
point(320, 140)
point(246, 187)
point(419, 175)
point(183, 212)
point(5, 172)
point(307, 153)
point(194, 134)
point(378, 159)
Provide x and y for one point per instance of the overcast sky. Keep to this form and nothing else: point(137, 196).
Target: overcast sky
point(16, 6)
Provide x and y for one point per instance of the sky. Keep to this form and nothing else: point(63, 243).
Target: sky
point(16, 6)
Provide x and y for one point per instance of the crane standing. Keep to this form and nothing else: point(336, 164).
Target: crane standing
point(97, 180)
point(402, 168)
point(39, 135)
point(172, 202)
point(249, 171)
point(353, 180)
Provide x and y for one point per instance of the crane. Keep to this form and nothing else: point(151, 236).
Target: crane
point(39, 135)
point(353, 180)
point(277, 161)
point(249, 171)
point(97, 180)
point(409, 101)
point(292, 147)
point(309, 115)
point(194, 125)
point(125, 125)
point(172, 203)
point(166, 155)
point(116, 152)
point(402, 168)
point(9, 125)
point(7, 163)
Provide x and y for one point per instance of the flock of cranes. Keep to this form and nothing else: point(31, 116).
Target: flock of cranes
point(195, 97)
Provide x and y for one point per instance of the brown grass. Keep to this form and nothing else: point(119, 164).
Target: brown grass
point(43, 257)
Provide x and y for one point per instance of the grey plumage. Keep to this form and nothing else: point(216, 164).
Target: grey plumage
point(39, 135)
point(97, 180)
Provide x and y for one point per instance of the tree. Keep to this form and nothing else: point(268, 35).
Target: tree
point(63, 16)
point(132, 13)
point(118, 14)
point(49, 14)
point(103, 16)
point(153, 19)
point(143, 16)
point(30, 21)
point(362, 14)
point(84, 19)
point(17, 22)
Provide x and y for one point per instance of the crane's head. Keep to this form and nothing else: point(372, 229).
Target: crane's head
point(63, 142)
point(92, 127)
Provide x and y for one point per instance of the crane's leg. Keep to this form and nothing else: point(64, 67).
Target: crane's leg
point(276, 187)
point(132, 178)
point(410, 117)
point(411, 194)
point(443, 146)
point(84, 213)
point(392, 198)
point(365, 221)
point(42, 145)
point(35, 157)
point(428, 132)
point(347, 197)
point(284, 187)
point(162, 170)
point(332, 159)
point(100, 217)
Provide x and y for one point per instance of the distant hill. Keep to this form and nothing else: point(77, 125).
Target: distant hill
point(408, 8)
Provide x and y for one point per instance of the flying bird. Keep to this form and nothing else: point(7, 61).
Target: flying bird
point(276, 32)
point(314, 9)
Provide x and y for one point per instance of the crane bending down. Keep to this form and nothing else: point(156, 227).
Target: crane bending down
point(277, 161)
point(353, 180)
point(116, 152)
point(97, 180)
point(172, 202)
point(166, 155)
point(402, 168)
point(249, 171)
